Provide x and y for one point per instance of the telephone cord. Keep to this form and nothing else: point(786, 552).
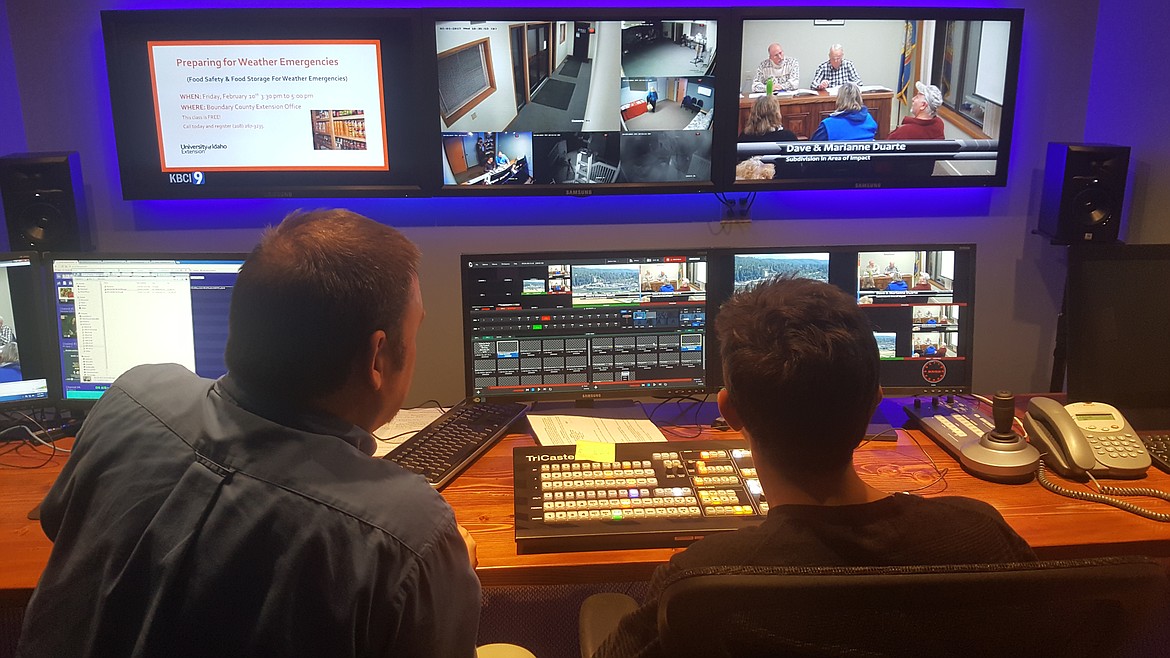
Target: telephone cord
point(1042, 477)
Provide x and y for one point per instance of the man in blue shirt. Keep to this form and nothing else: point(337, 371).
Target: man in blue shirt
point(246, 516)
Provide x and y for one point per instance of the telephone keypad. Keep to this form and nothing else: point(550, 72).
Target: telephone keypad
point(1116, 445)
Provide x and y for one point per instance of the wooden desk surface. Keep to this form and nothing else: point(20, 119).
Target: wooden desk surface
point(25, 477)
point(482, 497)
point(1055, 526)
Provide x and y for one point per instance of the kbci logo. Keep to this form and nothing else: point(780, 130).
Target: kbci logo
point(194, 178)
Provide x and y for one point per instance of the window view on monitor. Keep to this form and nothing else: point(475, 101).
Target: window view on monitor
point(585, 325)
point(576, 102)
point(902, 102)
point(116, 313)
point(919, 298)
point(292, 103)
point(22, 364)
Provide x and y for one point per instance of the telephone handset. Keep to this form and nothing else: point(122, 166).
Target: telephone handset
point(1085, 437)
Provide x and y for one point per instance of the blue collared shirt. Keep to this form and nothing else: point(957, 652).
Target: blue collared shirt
point(194, 520)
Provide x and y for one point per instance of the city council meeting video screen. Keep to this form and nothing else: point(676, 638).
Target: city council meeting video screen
point(24, 362)
point(585, 325)
point(256, 103)
point(114, 313)
point(920, 300)
point(889, 134)
point(554, 103)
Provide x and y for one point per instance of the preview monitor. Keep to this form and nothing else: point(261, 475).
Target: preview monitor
point(24, 357)
point(593, 100)
point(117, 312)
point(215, 103)
point(858, 97)
point(919, 298)
point(1117, 311)
point(579, 326)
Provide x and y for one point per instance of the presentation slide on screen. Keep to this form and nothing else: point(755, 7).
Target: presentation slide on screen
point(269, 105)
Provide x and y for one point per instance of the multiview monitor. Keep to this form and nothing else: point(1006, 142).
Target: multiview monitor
point(548, 102)
point(919, 298)
point(24, 362)
point(213, 103)
point(117, 312)
point(578, 326)
point(859, 97)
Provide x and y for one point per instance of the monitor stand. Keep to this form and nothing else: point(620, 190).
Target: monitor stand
point(889, 415)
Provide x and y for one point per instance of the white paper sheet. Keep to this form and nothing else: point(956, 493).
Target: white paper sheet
point(606, 425)
point(406, 423)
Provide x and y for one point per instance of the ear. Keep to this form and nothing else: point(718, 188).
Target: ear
point(379, 370)
point(728, 410)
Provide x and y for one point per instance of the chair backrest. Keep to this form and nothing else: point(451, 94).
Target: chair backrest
point(603, 173)
point(1055, 608)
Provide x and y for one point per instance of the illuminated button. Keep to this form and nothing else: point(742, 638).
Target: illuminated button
point(549, 517)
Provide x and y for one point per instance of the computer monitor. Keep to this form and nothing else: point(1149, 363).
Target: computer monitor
point(576, 102)
point(580, 326)
point(889, 134)
point(273, 102)
point(1116, 316)
point(920, 299)
point(117, 312)
point(24, 357)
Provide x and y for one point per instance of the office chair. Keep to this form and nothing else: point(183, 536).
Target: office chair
point(1087, 607)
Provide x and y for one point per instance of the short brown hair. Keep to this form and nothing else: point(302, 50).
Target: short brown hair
point(800, 363)
point(309, 296)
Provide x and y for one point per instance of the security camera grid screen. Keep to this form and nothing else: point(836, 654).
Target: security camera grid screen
point(576, 102)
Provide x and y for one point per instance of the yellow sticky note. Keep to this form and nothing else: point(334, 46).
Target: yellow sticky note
point(596, 451)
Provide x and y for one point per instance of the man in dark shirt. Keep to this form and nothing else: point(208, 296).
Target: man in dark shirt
point(801, 368)
point(245, 516)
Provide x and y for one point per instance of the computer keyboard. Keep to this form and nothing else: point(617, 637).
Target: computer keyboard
point(441, 450)
point(1158, 445)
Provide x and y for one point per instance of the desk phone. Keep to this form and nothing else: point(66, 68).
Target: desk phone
point(1085, 437)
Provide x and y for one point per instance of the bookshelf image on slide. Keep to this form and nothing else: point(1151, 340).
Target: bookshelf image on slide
point(339, 130)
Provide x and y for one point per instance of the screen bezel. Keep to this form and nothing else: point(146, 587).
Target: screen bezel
point(729, 102)
point(722, 17)
point(722, 284)
point(50, 298)
point(579, 395)
point(125, 33)
point(1094, 372)
point(32, 339)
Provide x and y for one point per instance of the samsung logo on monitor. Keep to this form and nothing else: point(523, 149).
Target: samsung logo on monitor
point(584, 192)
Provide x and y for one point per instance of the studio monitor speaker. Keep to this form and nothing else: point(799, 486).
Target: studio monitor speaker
point(44, 202)
point(1084, 189)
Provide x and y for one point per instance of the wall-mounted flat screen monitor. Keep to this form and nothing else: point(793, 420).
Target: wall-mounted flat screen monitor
point(920, 299)
point(856, 97)
point(541, 102)
point(24, 357)
point(1118, 308)
point(265, 103)
point(579, 326)
point(116, 312)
